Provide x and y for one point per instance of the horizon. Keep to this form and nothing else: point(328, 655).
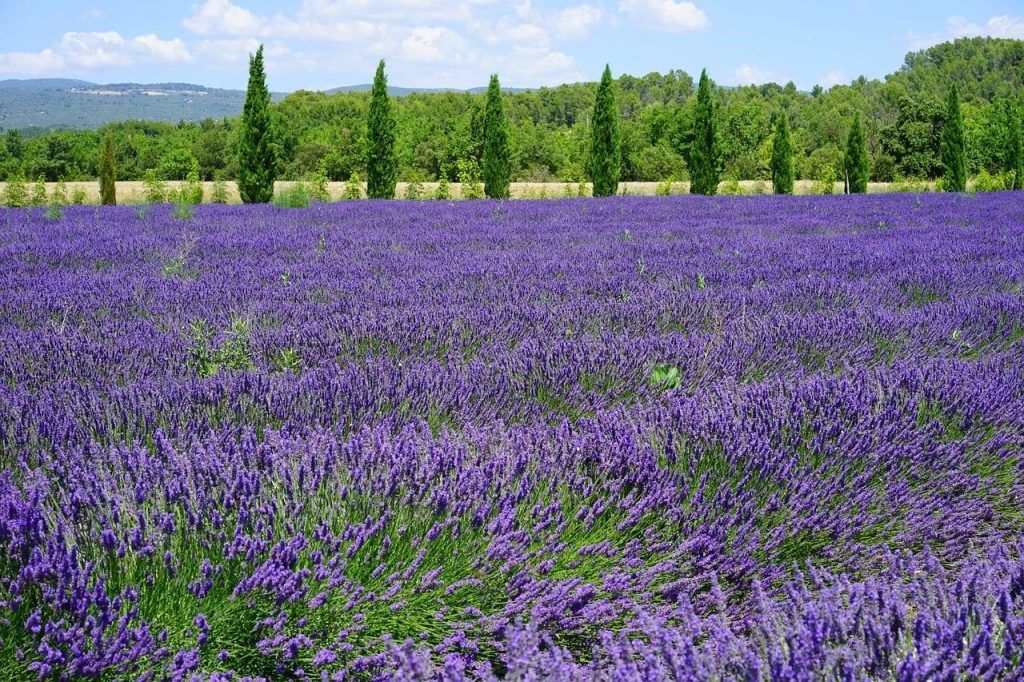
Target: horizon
point(324, 44)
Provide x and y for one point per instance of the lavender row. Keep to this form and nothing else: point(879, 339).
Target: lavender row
point(581, 440)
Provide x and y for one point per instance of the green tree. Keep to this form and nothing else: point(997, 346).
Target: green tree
point(108, 174)
point(257, 157)
point(497, 152)
point(855, 162)
point(605, 148)
point(381, 158)
point(1014, 162)
point(954, 157)
point(703, 154)
point(782, 156)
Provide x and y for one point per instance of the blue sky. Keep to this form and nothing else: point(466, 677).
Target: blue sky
point(440, 43)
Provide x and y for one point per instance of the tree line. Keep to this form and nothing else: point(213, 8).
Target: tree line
point(550, 131)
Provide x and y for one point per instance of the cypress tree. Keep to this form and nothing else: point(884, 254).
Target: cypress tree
point(703, 157)
point(605, 141)
point(497, 155)
point(954, 161)
point(1014, 153)
point(782, 156)
point(381, 160)
point(108, 193)
point(256, 154)
point(856, 159)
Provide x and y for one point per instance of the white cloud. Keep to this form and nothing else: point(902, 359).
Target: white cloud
point(433, 44)
point(1003, 26)
point(576, 22)
point(833, 78)
point(748, 74)
point(30, 63)
point(95, 50)
point(666, 15)
point(223, 18)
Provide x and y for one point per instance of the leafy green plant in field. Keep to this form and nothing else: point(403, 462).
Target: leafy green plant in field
point(353, 188)
point(54, 213)
point(665, 378)
point(318, 184)
point(219, 195)
point(444, 190)
point(295, 196)
point(232, 353)
point(156, 190)
point(38, 197)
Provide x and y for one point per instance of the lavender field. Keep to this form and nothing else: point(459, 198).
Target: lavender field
point(625, 439)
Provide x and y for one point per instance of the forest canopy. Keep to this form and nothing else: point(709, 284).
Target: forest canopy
point(440, 132)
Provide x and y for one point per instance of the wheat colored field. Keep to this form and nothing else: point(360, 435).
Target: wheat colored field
point(129, 192)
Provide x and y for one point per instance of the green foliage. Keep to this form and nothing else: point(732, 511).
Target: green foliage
point(219, 195)
point(826, 184)
point(78, 196)
point(15, 192)
point(38, 196)
point(287, 360)
point(782, 156)
point(731, 187)
point(855, 162)
point(318, 184)
point(469, 180)
point(191, 190)
point(954, 162)
point(233, 353)
point(295, 195)
point(987, 182)
point(703, 153)
point(182, 210)
point(664, 188)
point(108, 173)
point(155, 190)
point(665, 378)
point(1014, 159)
point(606, 139)
point(257, 158)
point(414, 191)
point(381, 158)
point(54, 213)
point(444, 190)
point(497, 155)
point(353, 188)
point(60, 194)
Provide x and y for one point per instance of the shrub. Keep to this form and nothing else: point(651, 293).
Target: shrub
point(826, 184)
point(664, 188)
point(15, 193)
point(353, 188)
point(191, 190)
point(78, 196)
point(294, 196)
point(469, 179)
point(414, 191)
point(730, 187)
point(318, 184)
point(909, 185)
point(156, 190)
point(38, 197)
point(220, 192)
point(987, 182)
point(444, 190)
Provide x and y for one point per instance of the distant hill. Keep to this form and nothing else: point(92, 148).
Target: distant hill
point(48, 103)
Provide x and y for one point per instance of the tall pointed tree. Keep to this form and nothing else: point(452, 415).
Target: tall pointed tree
point(497, 153)
point(703, 156)
point(108, 173)
point(257, 155)
point(381, 159)
point(782, 156)
point(953, 147)
point(1014, 153)
point(856, 160)
point(605, 139)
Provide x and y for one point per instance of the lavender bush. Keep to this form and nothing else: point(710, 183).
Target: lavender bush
point(628, 439)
